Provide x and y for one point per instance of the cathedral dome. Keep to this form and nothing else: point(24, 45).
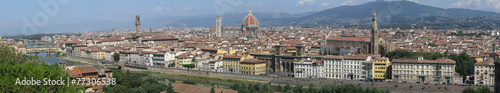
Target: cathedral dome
point(250, 20)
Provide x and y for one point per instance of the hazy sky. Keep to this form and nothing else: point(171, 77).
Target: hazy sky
point(32, 14)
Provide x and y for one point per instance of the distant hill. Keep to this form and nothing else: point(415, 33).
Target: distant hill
point(388, 12)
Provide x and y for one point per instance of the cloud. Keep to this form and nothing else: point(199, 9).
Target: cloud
point(159, 8)
point(493, 3)
point(325, 4)
point(478, 4)
point(464, 3)
point(416, 1)
point(187, 8)
point(302, 2)
point(348, 2)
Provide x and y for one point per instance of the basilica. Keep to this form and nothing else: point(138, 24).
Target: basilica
point(249, 28)
point(360, 45)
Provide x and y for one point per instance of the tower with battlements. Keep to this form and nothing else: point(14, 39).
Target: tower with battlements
point(137, 24)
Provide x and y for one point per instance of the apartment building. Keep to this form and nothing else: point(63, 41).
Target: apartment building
point(421, 70)
point(309, 69)
point(351, 67)
point(484, 73)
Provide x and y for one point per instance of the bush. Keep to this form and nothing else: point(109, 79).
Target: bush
point(468, 90)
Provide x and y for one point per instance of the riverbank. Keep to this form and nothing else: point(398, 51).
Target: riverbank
point(79, 62)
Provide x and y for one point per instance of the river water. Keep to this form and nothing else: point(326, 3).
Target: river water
point(51, 59)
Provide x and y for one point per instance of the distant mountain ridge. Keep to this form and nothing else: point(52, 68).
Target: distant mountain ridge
point(388, 12)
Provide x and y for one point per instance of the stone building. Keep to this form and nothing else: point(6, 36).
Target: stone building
point(420, 70)
point(351, 67)
point(484, 73)
point(253, 67)
point(249, 28)
point(360, 45)
point(309, 69)
point(282, 61)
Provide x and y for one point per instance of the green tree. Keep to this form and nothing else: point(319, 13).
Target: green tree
point(116, 57)
point(189, 66)
point(320, 53)
point(483, 89)
point(212, 90)
point(17, 66)
point(382, 51)
point(193, 59)
point(468, 90)
point(127, 80)
point(432, 44)
point(170, 88)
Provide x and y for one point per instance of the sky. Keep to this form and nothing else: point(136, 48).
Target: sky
point(48, 16)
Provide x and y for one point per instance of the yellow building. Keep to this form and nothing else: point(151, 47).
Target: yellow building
point(253, 67)
point(232, 63)
point(182, 60)
point(220, 51)
point(380, 66)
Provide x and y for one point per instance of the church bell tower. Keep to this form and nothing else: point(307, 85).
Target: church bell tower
point(374, 39)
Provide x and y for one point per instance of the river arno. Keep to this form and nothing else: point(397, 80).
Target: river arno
point(51, 59)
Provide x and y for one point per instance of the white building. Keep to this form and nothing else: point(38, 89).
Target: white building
point(308, 69)
point(420, 70)
point(348, 67)
point(484, 73)
point(216, 65)
point(148, 58)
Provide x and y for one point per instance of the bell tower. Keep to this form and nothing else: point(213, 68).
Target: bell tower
point(374, 39)
point(137, 24)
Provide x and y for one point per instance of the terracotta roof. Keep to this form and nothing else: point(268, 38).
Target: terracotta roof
point(253, 61)
point(232, 56)
point(334, 57)
point(213, 61)
point(87, 69)
point(445, 60)
point(250, 20)
point(185, 88)
point(183, 56)
point(360, 39)
point(483, 64)
point(356, 57)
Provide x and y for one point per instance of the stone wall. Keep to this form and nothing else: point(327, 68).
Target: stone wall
point(400, 88)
